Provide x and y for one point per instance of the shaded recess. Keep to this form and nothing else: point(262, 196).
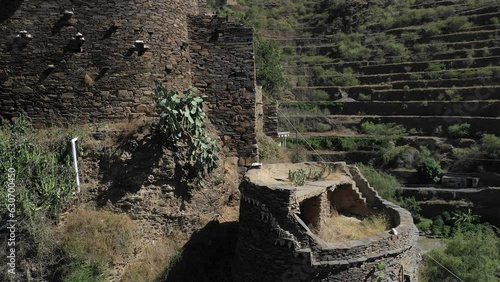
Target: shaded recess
point(9, 7)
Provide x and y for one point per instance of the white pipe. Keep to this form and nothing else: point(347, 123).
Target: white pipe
point(75, 160)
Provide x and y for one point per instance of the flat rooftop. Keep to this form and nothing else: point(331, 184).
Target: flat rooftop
point(275, 176)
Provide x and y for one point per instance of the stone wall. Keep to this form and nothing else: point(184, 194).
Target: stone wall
point(280, 247)
point(54, 79)
point(222, 57)
point(80, 63)
point(266, 114)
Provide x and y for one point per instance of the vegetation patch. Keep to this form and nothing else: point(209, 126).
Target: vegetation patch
point(182, 122)
point(93, 241)
point(387, 186)
point(474, 260)
point(389, 129)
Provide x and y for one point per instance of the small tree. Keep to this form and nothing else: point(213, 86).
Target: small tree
point(429, 171)
point(269, 72)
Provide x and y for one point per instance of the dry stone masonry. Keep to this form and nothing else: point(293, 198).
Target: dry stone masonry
point(222, 60)
point(274, 234)
point(68, 61)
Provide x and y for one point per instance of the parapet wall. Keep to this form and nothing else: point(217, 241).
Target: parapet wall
point(280, 246)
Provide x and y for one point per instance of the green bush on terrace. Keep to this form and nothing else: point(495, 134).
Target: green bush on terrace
point(387, 186)
point(381, 129)
point(488, 147)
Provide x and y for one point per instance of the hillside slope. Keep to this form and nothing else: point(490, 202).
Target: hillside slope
point(428, 68)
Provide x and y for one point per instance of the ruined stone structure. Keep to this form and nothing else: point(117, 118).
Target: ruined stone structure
point(69, 61)
point(276, 244)
point(223, 69)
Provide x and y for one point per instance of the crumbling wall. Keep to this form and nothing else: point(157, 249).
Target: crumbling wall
point(222, 57)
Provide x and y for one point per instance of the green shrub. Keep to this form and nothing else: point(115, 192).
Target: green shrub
point(400, 156)
point(415, 76)
point(302, 82)
point(319, 95)
point(459, 130)
point(387, 186)
point(429, 171)
point(392, 48)
point(495, 21)
point(318, 71)
point(269, 72)
point(44, 177)
point(412, 206)
point(297, 154)
point(454, 24)
point(436, 66)
point(437, 225)
point(490, 145)
point(431, 29)
point(352, 50)
point(389, 129)
point(364, 97)
point(84, 271)
point(425, 225)
point(348, 144)
point(409, 36)
point(485, 52)
point(322, 127)
point(452, 95)
point(297, 177)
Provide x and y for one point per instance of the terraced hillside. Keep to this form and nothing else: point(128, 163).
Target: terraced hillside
point(417, 73)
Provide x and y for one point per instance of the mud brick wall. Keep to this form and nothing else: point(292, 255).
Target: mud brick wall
point(103, 81)
point(222, 58)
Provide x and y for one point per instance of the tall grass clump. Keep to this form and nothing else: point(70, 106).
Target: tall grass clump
point(44, 178)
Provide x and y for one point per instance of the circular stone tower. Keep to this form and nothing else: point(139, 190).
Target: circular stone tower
point(278, 222)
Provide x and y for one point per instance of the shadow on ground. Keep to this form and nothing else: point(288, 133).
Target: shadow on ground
point(207, 256)
point(128, 175)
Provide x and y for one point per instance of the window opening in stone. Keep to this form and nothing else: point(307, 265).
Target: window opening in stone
point(310, 210)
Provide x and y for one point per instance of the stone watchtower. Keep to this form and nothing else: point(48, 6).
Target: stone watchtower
point(72, 61)
point(277, 229)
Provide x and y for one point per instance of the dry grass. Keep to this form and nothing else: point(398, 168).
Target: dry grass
point(341, 228)
point(98, 235)
point(152, 262)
